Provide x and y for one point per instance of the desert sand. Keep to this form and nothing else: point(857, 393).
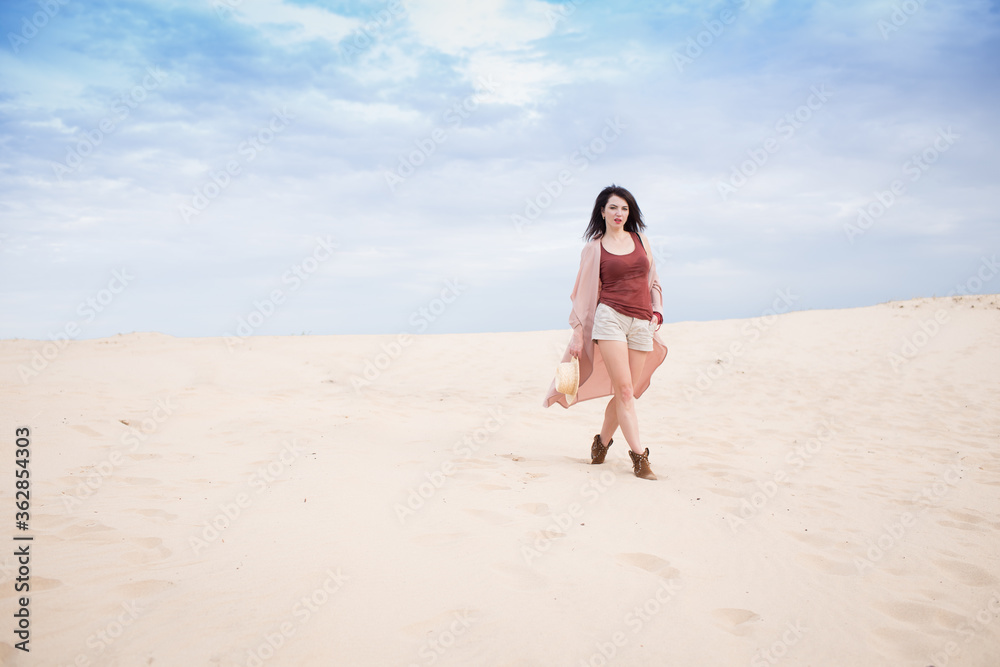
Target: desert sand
point(828, 494)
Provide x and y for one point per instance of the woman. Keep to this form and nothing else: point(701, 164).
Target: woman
point(617, 304)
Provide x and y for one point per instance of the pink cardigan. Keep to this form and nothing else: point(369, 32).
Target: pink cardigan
point(594, 379)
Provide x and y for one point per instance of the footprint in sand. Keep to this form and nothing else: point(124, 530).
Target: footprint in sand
point(825, 565)
point(649, 563)
point(963, 516)
point(153, 551)
point(492, 487)
point(143, 456)
point(538, 509)
point(522, 576)
point(43, 584)
point(971, 575)
point(736, 621)
point(85, 530)
point(7, 654)
point(960, 526)
point(921, 615)
point(543, 536)
point(37, 584)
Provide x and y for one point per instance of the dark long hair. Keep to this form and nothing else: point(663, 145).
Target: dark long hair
point(596, 227)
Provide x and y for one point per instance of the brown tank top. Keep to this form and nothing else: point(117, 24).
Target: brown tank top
point(625, 281)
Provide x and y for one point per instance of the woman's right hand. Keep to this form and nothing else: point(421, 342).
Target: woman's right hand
point(575, 345)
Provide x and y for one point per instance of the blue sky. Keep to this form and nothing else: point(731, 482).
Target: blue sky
point(199, 167)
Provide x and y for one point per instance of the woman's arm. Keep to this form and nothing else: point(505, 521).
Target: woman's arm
point(655, 290)
point(576, 341)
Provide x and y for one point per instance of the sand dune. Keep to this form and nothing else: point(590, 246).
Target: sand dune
point(829, 494)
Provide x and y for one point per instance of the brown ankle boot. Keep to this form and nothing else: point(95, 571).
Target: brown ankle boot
point(599, 451)
point(640, 463)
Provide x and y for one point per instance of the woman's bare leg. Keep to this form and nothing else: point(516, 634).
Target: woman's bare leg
point(610, 426)
point(622, 364)
point(636, 361)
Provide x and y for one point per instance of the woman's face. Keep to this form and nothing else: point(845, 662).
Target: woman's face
point(615, 214)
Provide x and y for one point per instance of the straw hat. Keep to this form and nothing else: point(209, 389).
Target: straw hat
point(568, 379)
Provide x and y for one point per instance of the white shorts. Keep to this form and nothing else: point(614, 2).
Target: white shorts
point(609, 324)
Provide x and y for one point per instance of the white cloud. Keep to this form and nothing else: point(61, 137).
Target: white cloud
point(288, 23)
point(457, 26)
point(494, 39)
point(517, 80)
point(384, 64)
